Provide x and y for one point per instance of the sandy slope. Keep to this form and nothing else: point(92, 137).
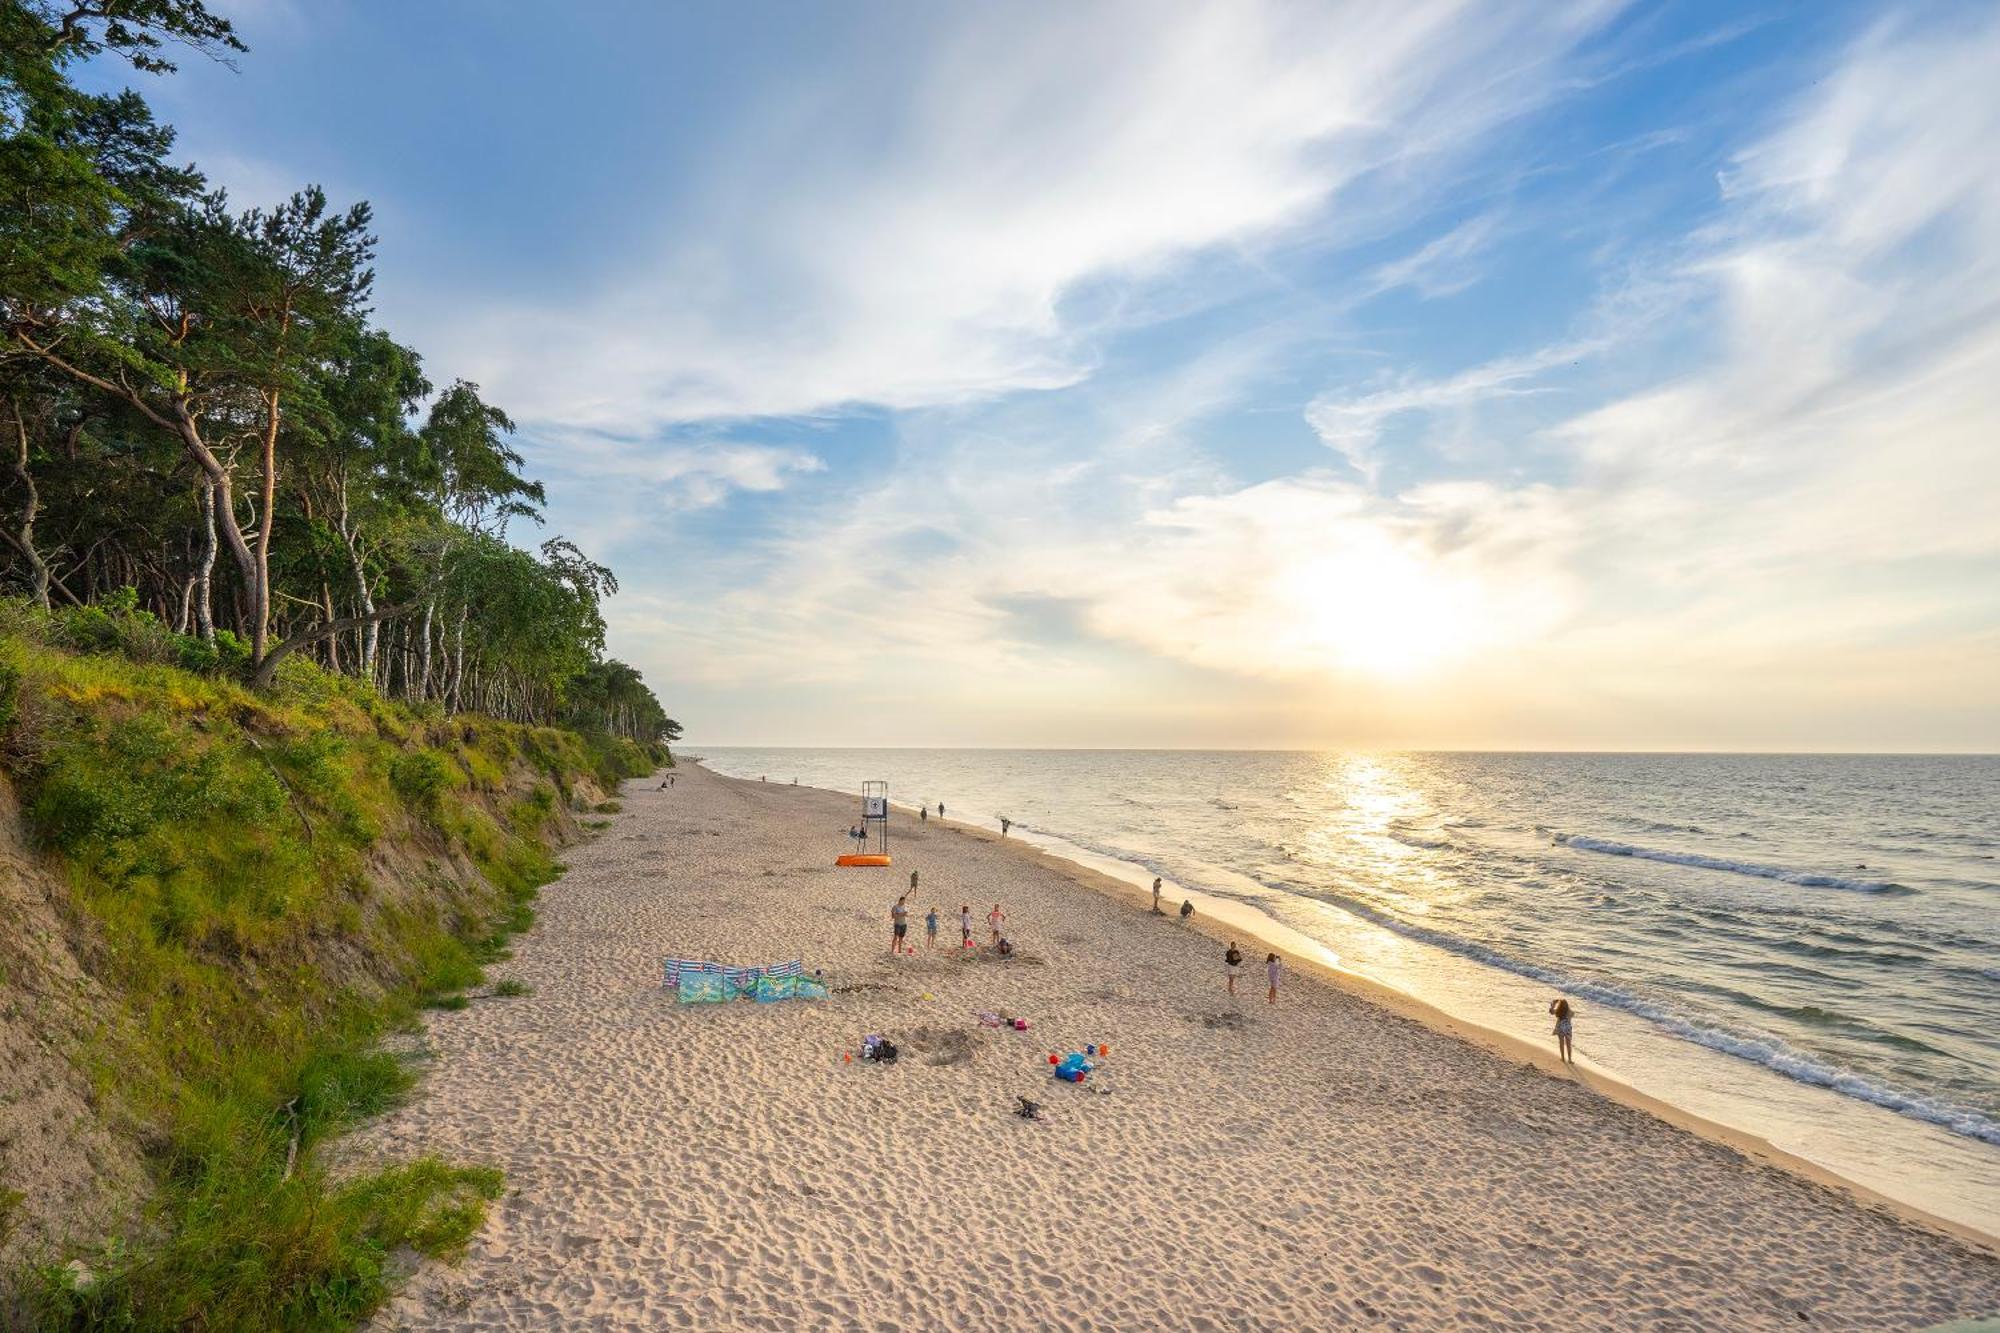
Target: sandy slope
point(1323, 1164)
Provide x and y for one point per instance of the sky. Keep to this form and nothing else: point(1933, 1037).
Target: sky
point(1404, 375)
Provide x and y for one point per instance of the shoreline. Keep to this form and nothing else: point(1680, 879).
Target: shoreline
point(1500, 1044)
point(1319, 962)
point(1330, 1162)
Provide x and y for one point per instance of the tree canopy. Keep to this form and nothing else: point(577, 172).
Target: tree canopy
point(204, 427)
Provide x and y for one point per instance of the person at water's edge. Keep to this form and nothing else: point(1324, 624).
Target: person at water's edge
point(1156, 895)
point(1232, 963)
point(1560, 1008)
point(1187, 908)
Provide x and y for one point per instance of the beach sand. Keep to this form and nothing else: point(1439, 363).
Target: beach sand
point(1326, 1163)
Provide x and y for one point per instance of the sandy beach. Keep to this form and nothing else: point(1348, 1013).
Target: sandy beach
point(1327, 1162)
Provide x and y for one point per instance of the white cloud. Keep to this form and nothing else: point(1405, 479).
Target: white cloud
point(1440, 266)
point(1351, 424)
point(825, 260)
point(1795, 527)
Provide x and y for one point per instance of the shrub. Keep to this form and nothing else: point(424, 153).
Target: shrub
point(195, 653)
point(420, 778)
point(10, 692)
point(233, 652)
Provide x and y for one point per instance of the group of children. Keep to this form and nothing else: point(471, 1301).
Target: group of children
point(899, 924)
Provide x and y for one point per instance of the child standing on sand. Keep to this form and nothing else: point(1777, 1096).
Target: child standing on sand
point(930, 927)
point(1560, 1008)
point(1232, 962)
point(1156, 895)
point(1271, 967)
point(965, 925)
point(993, 920)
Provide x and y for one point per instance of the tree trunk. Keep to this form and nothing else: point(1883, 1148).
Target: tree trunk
point(457, 661)
point(260, 591)
point(204, 570)
point(38, 570)
point(424, 667)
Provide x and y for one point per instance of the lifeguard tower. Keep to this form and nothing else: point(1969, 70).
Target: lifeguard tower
point(874, 850)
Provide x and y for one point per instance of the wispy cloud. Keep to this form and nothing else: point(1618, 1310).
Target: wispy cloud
point(833, 263)
point(1440, 266)
point(1793, 482)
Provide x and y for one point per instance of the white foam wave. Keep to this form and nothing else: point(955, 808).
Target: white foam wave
point(1770, 1052)
point(1807, 878)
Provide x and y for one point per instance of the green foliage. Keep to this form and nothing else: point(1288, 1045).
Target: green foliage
point(10, 1203)
point(511, 987)
point(253, 1250)
point(421, 778)
point(216, 842)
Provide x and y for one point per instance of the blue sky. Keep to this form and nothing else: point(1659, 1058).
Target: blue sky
point(1569, 376)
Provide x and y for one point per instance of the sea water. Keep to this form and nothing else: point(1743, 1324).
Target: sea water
point(1806, 948)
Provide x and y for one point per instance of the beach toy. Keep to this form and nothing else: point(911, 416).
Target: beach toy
point(1090, 1050)
point(847, 1057)
point(1052, 1057)
point(1020, 1025)
point(1102, 1050)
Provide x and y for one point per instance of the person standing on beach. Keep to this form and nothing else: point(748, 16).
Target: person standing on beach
point(965, 925)
point(1232, 963)
point(930, 928)
point(913, 881)
point(1005, 824)
point(899, 924)
point(993, 920)
point(1271, 969)
point(1187, 909)
point(1156, 895)
point(940, 809)
point(1560, 1008)
point(923, 814)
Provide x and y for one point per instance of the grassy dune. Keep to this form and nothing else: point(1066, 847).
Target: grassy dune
point(257, 888)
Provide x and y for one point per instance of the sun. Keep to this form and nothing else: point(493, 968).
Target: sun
point(1379, 609)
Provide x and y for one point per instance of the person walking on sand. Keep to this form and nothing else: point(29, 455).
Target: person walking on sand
point(1187, 909)
point(993, 920)
point(1271, 969)
point(930, 928)
point(899, 924)
point(1156, 896)
point(965, 925)
point(1232, 963)
point(1560, 1008)
point(923, 814)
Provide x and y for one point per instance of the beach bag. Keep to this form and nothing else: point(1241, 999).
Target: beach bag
point(885, 1051)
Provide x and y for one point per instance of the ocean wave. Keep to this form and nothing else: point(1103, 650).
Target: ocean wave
point(1769, 1052)
point(1806, 878)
